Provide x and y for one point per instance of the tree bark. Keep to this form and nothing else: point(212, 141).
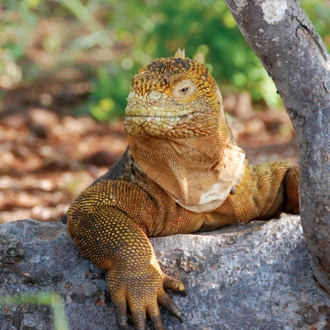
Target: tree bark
point(295, 57)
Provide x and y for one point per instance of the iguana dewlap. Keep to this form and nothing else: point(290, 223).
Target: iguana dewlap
point(182, 173)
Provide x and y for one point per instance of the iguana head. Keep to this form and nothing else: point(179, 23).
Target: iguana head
point(173, 97)
point(178, 134)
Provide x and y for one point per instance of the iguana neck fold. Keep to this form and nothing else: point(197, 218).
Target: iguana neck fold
point(202, 179)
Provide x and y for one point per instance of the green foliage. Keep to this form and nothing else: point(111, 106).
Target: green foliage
point(319, 13)
point(206, 30)
point(16, 29)
point(208, 33)
point(132, 33)
point(50, 299)
point(108, 97)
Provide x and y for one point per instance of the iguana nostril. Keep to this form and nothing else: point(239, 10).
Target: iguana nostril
point(155, 95)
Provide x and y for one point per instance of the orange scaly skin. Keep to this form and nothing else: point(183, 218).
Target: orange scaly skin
point(181, 173)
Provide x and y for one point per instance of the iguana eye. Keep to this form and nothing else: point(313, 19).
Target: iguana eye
point(183, 90)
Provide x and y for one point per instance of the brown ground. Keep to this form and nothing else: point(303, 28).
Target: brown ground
point(47, 156)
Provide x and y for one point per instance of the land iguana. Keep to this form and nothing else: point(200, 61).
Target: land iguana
point(181, 173)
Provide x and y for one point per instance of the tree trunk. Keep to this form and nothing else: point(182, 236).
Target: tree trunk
point(295, 57)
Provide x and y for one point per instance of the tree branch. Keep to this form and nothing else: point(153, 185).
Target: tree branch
point(294, 55)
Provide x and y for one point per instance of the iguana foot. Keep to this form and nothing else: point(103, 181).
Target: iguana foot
point(141, 293)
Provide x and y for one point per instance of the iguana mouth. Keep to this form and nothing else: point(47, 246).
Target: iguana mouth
point(160, 115)
point(154, 112)
point(155, 120)
point(153, 116)
point(157, 117)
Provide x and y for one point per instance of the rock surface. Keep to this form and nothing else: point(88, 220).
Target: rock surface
point(254, 276)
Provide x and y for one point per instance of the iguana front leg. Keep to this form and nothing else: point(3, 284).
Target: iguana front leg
point(112, 241)
point(276, 189)
point(265, 191)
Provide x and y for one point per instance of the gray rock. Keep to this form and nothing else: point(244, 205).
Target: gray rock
point(254, 276)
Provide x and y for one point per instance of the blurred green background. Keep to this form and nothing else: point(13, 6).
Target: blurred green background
point(109, 40)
